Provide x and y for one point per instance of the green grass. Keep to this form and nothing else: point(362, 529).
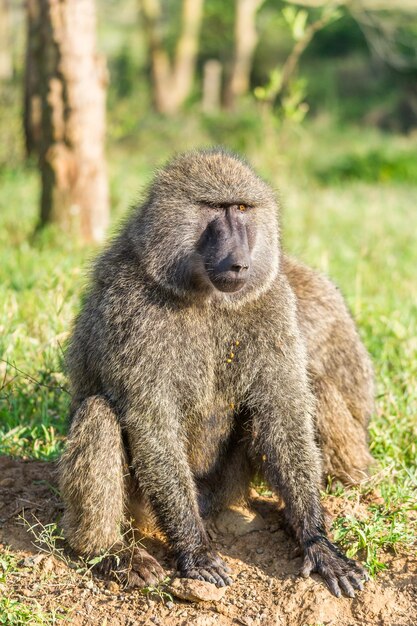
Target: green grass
point(16, 613)
point(384, 528)
point(360, 232)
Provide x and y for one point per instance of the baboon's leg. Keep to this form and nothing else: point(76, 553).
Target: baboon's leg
point(91, 478)
point(93, 482)
point(341, 436)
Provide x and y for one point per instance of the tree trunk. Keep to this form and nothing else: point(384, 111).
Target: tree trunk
point(72, 82)
point(246, 38)
point(212, 83)
point(172, 80)
point(6, 62)
point(187, 48)
point(32, 105)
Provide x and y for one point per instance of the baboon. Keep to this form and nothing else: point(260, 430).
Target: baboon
point(202, 355)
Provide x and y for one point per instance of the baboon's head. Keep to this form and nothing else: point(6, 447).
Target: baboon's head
point(210, 228)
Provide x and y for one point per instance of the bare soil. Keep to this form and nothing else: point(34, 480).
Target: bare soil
point(266, 591)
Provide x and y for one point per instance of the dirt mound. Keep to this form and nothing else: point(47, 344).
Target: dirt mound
point(267, 590)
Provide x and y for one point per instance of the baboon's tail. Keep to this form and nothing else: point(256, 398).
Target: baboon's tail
point(91, 477)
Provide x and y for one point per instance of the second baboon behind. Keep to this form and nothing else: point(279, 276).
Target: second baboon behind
point(203, 355)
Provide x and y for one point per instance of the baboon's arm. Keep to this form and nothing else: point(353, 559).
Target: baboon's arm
point(282, 407)
point(161, 467)
point(283, 440)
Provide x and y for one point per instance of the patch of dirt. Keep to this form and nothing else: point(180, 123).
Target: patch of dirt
point(266, 591)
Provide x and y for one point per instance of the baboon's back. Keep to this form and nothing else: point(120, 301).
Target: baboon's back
point(340, 370)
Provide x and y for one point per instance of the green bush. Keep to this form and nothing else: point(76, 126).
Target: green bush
point(374, 166)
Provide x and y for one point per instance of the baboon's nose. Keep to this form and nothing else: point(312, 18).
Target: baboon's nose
point(239, 267)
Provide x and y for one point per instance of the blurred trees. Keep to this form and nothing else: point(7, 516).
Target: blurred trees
point(202, 56)
point(172, 80)
point(173, 71)
point(173, 46)
point(219, 52)
point(67, 80)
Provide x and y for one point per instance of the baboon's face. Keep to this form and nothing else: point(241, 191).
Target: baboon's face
point(210, 228)
point(228, 234)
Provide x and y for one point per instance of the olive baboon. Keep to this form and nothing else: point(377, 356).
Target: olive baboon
point(201, 356)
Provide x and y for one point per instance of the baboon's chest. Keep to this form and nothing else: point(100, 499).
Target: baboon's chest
point(219, 376)
point(210, 424)
point(207, 433)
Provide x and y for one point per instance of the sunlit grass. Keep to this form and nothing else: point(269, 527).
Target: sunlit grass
point(384, 528)
point(16, 613)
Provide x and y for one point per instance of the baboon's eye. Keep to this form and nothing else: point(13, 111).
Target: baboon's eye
point(242, 207)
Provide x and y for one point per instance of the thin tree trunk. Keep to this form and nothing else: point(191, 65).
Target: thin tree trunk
point(32, 106)
point(160, 64)
point(172, 80)
point(6, 61)
point(246, 38)
point(212, 83)
point(187, 48)
point(72, 90)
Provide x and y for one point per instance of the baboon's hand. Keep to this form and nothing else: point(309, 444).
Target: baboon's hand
point(339, 572)
point(207, 566)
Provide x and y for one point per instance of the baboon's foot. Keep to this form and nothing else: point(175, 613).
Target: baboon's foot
point(340, 573)
point(144, 570)
point(132, 567)
point(207, 566)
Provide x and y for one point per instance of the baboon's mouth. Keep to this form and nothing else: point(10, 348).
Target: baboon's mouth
point(227, 282)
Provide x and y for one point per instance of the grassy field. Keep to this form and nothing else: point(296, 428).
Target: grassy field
point(359, 229)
